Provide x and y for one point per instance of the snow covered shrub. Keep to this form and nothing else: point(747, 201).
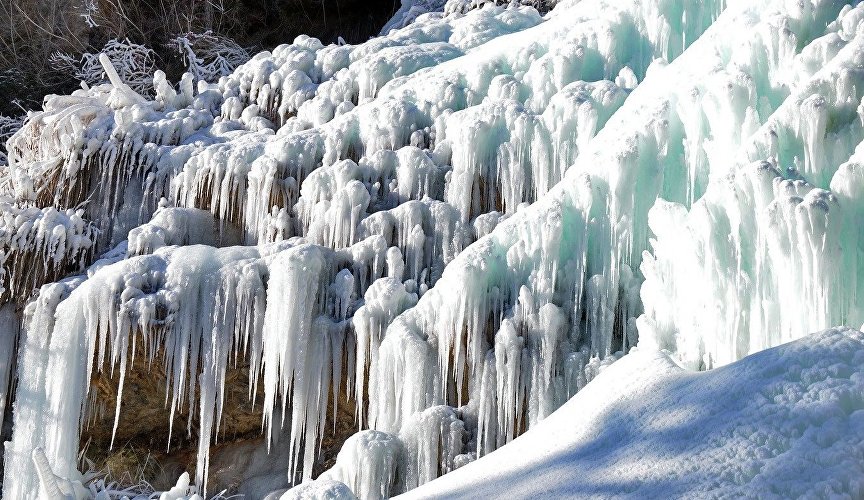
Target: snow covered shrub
point(209, 55)
point(134, 63)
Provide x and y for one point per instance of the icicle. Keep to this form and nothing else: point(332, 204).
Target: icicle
point(384, 300)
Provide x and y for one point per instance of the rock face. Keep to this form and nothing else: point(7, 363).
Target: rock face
point(239, 459)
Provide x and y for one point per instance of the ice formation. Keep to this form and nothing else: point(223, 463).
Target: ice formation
point(377, 464)
point(458, 224)
point(317, 490)
point(771, 250)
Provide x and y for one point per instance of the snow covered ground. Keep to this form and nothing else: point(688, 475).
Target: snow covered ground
point(787, 422)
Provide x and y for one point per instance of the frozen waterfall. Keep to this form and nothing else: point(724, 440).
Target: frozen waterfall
point(454, 226)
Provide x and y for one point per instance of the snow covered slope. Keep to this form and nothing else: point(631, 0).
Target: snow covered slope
point(787, 422)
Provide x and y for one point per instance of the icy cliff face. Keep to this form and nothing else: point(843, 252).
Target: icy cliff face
point(457, 225)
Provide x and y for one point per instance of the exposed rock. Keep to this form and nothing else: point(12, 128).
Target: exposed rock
point(239, 463)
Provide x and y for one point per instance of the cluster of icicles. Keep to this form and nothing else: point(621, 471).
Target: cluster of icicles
point(449, 223)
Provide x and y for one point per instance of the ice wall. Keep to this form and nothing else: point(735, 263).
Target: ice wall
point(451, 223)
point(674, 136)
point(553, 285)
point(372, 176)
point(119, 157)
point(771, 252)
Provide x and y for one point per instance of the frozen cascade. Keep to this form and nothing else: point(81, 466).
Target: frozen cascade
point(573, 278)
point(222, 185)
point(30, 410)
point(160, 301)
point(410, 350)
point(448, 223)
point(756, 260)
